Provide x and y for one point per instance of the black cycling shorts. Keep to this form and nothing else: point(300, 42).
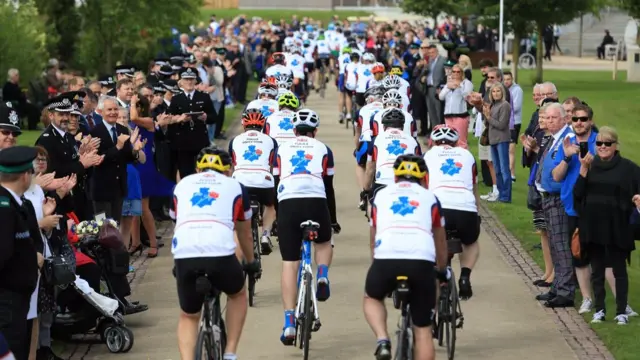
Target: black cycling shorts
point(319, 62)
point(265, 196)
point(360, 99)
point(224, 272)
point(310, 67)
point(381, 280)
point(466, 223)
point(293, 212)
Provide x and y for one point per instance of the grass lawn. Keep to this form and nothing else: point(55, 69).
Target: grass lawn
point(615, 103)
point(29, 137)
point(276, 14)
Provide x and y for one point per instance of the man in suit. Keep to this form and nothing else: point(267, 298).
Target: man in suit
point(64, 155)
point(433, 77)
point(122, 72)
point(188, 133)
point(108, 182)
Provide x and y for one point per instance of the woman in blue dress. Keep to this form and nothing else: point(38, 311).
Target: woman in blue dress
point(153, 183)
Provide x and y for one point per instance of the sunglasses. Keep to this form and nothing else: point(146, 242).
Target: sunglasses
point(491, 77)
point(456, 71)
point(605, 143)
point(7, 133)
point(580, 118)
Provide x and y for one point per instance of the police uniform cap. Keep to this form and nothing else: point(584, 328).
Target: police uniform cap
point(166, 70)
point(191, 59)
point(177, 58)
point(107, 80)
point(221, 51)
point(17, 159)
point(127, 70)
point(158, 88)
point(59, 103)
point(9, 118)
point(188, 73)
point(171, 85)
point(75, 109)
point(161, 61)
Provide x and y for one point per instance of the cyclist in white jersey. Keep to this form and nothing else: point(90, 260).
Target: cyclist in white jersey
point(452, 176)
point(296, 64)
point(210, 202)
point(350, 82)
point(407, 239)
point(384, 150)
point(309, 54)
point(393, 99)
point(344, 97)
point(305, 192)
point(266, 101)
point(405, 87)
point(378, 74)
point(284, 83)
point(365, 74)
point(324, 55)
point(393, 82)
point(279, 66)
point(254, 155)
point(280, 124)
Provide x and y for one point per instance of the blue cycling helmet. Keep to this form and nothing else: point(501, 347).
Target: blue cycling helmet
point(331, 26)
point(309, 28)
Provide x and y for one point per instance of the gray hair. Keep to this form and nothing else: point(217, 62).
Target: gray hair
point(557, 106)
point(498, 72)
point(551, 85)
point(537, 86)
point(11, 73)
point(103, 99)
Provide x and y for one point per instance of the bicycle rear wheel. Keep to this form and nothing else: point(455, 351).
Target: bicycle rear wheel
point(402, 347)
point(205, 348)
point(452, 321)
point(251, 278)
point(305, 334)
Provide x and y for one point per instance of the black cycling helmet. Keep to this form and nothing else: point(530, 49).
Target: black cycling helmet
point(354, 56)
point(213, 158)
point(347, 33)
point(393, 117)
point(410, 167)
point(376, 91)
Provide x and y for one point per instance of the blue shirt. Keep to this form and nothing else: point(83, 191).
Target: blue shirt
point(548, 164)
point(573, 171)
point(133, 183)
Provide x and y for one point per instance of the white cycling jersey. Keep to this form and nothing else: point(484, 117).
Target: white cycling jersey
point(405, 88)
point(343, 60)
point(366, 114)
point(409, 124)
point(302, 164)
point(254, 155)
point(280, 126)
point(324, 47)
point(296, 64)
point(386, 149)
point(452, 174)
point(206, 207)
point(364, 76)
point(351, 76)
point(266, 106)
point(277, 70)
point(404, 215)
point(307, 52)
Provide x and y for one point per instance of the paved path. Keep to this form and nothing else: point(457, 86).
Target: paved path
point(502, 321)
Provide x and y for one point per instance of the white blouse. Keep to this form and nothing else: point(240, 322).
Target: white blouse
point(454, 100)
point(36, 196)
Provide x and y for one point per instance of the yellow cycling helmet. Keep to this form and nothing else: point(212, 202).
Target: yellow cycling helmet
point(288, 100)
point(395, 70)
point(214, 159)
point(410, 166)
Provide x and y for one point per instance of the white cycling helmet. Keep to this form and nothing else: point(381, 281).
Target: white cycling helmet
point(306, 117)
point(444, 133)
point(271, 91)
point(284, 81)
point(369, 57)
point(392, 97)
point(392, 82)
point(295, 49)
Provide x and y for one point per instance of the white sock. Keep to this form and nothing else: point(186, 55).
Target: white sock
point(495, 189)
point(228, 356)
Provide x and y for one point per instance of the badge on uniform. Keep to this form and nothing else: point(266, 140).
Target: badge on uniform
point(13, 117)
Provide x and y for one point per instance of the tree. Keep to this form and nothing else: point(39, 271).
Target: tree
point(63, 25)
point(631, 6)
point(22, 40)
point(433, 8)
point(123, 30)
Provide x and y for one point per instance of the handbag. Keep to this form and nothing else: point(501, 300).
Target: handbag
point(58, 271)
point(484, 137)
point(575, 244)
point(534, 199)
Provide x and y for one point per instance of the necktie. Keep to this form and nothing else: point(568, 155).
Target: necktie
point(90, 121)
point(114, 135)
point(545, 146)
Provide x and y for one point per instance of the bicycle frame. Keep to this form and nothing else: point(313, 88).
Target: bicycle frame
point(305, 267)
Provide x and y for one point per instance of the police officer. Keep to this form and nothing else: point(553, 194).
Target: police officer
point(19, 259)
point(153, 76)
point(9, 129)
point(64, 158)
point(108, 84)
point(122, 72)
point(188, 133)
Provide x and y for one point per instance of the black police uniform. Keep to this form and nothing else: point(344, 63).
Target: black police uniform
point(65, 160)
point(188, 138)
point(18, 254)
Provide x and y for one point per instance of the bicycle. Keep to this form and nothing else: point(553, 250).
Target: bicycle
point(449, 315)
point(324, 79)
point(257, 250)
point(404, 347)
point(307, 318)
point(526, 61)
point(354, 113)
point(212, 335)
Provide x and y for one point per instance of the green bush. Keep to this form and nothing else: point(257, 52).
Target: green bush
point(22, 40)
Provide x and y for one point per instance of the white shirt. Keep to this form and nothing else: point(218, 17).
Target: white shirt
point(452, 175)
point(367, 112)
point(296, 64)
point(206, 207)
point(409, 128)
point(364, 76)
point(35, 195)
point(253, 155)
point(302, 164)
point(343, 60)
point(277, 70)
point(280, 126)
point(454, 100)
point(351, 76)
point(266, 106)
point(307, 52)
point(386, 149)
point(404, 215)
point(323, 47)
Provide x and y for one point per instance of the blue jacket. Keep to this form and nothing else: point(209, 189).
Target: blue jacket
point(548, 164)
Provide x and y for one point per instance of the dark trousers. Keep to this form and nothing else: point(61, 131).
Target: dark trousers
point(32, 114)
point(112, 209)
point(547, 50)
point(434, 107)
point(220, 119)
point(13, 322)
point(183, 161)
point(561, 256)
point(601, 54)
point(602, 257)
point(419, 108)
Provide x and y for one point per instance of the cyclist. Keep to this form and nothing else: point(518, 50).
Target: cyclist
point(364, 73)
point(351, 81)
point(280, 124)
point(344, 99)
point(324, 53)
point(210, 202)
point(309, 54)
point(393, 99)
point(407, 228)
point(254, 154)
point(279, 66)
point(284, 83)
point(296, 64)
point(305, 192)
point(405, 87)
point(266, 101)
point(384, 150)
point(453, 180)
point(378, 74)
point(394, 82)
